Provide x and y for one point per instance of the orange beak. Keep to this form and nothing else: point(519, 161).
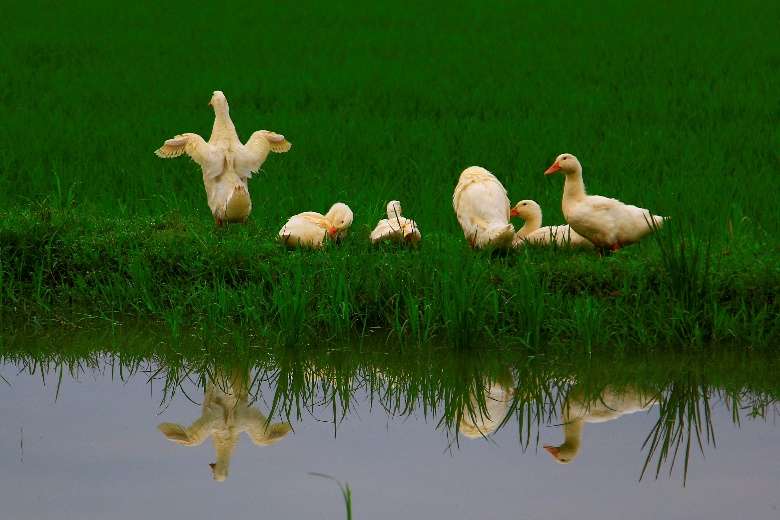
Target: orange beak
point(553, 450)
point(332, 231)
point(514, 213)
point(552, 169)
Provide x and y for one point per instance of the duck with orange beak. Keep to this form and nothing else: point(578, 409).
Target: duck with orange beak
point(607, 223)
point(310, 229)
point(532, 231)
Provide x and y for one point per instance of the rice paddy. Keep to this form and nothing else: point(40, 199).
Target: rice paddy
point(669, 107)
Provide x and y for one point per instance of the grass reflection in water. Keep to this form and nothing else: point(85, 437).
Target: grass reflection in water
point(466, 395)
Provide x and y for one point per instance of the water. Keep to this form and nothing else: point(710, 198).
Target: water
point(82, 439)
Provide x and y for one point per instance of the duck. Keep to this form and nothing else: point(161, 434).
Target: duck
point(396, 227)
point(577, 410)
point(482, 207)
point(533, 233)
point(309, 229)
point(607, 223)
point(227, 165)
point(225, 414)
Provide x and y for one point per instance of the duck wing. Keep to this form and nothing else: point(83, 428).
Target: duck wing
point(596, 218)
point(210, 158)
point(249, 157)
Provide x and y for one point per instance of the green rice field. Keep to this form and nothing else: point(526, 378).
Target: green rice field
point(669, 106)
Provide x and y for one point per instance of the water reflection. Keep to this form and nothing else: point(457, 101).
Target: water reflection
point(226, 413)
point(580, 408)
point(487, 407)
point(475, 397)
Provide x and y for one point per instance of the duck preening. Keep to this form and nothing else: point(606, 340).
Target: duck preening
point(482, 207)
point(310, 229)
point(396, 227)
point(607, 223)
point(227, 164)
point(532, 231)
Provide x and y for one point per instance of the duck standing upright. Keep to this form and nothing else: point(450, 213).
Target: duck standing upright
point(227, 164)
point(608, 223)
point(482, 207)
point(532, 231)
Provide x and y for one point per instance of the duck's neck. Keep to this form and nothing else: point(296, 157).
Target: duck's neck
point(393, 213)
point(531, 224)
point(572, 433)
point(223, 125)
point(574, 187)
point(224, 445)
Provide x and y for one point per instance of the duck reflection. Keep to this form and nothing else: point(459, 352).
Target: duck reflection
point(486, 411)
point(579, 409)
point(226, 413)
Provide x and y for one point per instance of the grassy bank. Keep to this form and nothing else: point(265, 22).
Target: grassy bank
point(671, 107)
point(671, 290)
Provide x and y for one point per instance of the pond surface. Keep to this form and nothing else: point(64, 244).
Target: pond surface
point(99, 438)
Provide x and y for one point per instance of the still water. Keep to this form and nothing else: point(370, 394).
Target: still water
point(96, 439)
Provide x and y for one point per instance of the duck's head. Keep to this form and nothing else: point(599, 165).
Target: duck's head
point(218, 472)
point(562, 454)
point(339, 218)
point(566, 163)
point(218, 100)
point(525, 209)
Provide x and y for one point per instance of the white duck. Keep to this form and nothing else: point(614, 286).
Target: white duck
point(608, 223)
point(482, 208)
point(226, 163)
point(226, 413)
point(533, 233)
point(396, 227)
point(609, 405)
point(309, 229)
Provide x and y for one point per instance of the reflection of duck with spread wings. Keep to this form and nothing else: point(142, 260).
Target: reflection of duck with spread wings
point(226, 413)
point(611, 404)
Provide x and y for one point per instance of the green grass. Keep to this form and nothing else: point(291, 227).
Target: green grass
point(671, 107)
point(672, 291)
